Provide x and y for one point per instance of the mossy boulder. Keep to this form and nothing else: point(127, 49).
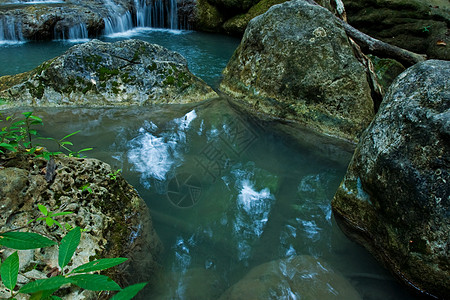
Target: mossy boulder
point(386, 70)
point(115, 219)
point(315, 80)
point(395, 197)
point(96, 73)
point(421, 26)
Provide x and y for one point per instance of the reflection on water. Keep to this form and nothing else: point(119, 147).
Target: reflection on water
point(232, 197)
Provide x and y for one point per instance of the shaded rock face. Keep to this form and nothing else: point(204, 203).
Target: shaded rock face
point(116, 220)
point(295, 63)
point(96, 73)
point(300, 277)
point(48, 21)
point(416, 25)
point(233, 16)
point(395, 197)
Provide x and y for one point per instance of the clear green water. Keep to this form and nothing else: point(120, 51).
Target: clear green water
point(207, 54)
point(227, 192)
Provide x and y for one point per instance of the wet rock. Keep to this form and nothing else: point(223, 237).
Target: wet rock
point(96, 73)
point(299, 277)
point(395, 197)
point(116, 220)
point(386, 70)
point(51, 20)
point(416, 25)
point(316, 80)
point(235, 15)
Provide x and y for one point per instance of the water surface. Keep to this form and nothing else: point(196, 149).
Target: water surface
point(207, 54)
point(227, 192)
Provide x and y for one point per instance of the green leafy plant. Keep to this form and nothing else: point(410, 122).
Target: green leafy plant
point(64, 144)
point(17, 135)
point(86, 187)
point(426, 28)
point(114, 174)
point(49, 217)
point(81, 276)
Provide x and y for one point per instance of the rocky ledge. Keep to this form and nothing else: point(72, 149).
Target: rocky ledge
point(295, 62)
point(395, 197)
point(96, 73)
point(115, 220)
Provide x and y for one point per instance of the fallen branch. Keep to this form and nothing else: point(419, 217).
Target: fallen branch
point(373, 46)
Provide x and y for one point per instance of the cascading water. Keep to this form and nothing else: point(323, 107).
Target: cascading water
point(10, 29)
point(76, 32)
point(156, 14)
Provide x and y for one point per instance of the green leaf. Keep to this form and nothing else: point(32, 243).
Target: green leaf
point(69, 135)
point(8, 147)
point(27, 114)
point(129, 292)
point(68, 246)
point(49, 221)
point(95, 282)
point(24, 240)
point(62, 213)
point(43, 209)
point(44, 284)
point(9, 271)
point(98, 265)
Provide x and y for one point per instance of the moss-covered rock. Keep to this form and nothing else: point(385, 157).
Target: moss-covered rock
point(96, 73)
point(421, 26)
point(115, 220)
point(315, 80)
point(386, 70)
point(395, 197)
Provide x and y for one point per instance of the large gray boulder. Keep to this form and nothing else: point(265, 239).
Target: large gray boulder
point(299, 277)
point(395, 197)
point(295, 62)
point(116, 220)
point(96, 73)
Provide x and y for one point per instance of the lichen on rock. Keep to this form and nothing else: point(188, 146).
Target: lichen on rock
point(395, 197)
point(96, 73)
point(315, 80)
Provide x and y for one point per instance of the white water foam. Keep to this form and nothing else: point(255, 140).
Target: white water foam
point(253, 208)
point(155, 156)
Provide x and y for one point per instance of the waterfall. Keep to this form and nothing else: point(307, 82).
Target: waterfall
point(156, 14)
point(121, 23)
point(10, 29)
point(76, 32)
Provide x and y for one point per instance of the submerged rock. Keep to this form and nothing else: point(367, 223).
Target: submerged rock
point(315, 80)
point(96, 73)
point(299, 277)
point(395, 197)
point(116, 220)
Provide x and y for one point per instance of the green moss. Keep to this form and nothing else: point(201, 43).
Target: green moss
point(93, 61)
point(152, 67)
point(105, 73)
point(170, 80)
point(36, 92)
point(44, 66)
